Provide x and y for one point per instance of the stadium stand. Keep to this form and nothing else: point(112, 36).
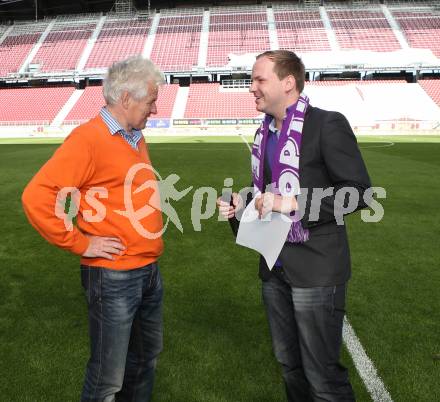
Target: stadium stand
point(166, 99)
point(118, 39)
point(236, 30)
point(377, 104)
point(91, 101)
point(39, 105)
point(333, 83)
point(210, 101)
point(87, 106)
point(177, 41)
point(63, 46)
point(300, 29)
point(184, 41)
point(363, 30)
point(17, 45)
point(213, 101)
point(432, 88)
point(421, 28)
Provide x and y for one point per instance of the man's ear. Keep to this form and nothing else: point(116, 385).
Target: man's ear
point(125, 99)
point(290, 83)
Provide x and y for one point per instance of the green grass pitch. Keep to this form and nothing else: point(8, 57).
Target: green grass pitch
point(217, 344)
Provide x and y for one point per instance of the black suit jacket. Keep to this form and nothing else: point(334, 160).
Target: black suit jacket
point(329, 157)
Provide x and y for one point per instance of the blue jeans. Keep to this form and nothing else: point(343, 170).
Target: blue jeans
point(306, 329)
point(125, 328)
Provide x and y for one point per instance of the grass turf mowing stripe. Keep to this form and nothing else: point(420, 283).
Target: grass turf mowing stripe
point(364, 365)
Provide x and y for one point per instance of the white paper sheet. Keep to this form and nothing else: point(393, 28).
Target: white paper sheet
point(267, 235)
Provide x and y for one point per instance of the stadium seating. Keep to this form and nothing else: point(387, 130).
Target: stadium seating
point(236, 32)
point(39, 105)
point(118, 39)
point(63, 46)
point(91, 101)
point(233, 29)
point(302, 30)
point(432, 88)
point(177, 42)
point(175, 47)
point(375, 104)
point(166, 99)
point(421, 28)
point(16, 46)
point(332, 83)
point(363, 30)
point(209, 101)
point(87, 106)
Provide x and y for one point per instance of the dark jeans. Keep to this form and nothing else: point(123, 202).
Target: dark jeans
point(306, 329)
point(125, 327)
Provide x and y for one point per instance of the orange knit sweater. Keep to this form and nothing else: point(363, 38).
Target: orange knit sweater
point(91, 158)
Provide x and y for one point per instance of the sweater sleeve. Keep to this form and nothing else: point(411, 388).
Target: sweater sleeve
point(70, 166)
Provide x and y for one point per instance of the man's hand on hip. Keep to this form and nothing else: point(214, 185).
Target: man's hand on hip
point(103, 247)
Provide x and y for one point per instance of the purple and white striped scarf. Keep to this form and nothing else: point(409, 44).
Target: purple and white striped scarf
point(285, 169)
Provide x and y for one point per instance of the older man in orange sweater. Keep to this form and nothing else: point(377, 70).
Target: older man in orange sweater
point(101, 164)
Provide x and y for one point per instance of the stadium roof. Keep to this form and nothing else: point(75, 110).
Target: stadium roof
point(25, 9)
point(11, 10)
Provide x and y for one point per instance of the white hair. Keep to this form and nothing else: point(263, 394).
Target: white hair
point(131, 75)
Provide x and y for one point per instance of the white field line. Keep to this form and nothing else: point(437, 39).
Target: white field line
point(383, 144)
point(215, 146)
point(247, 144)
point(365, 366)
point(365, 145)
point(199, 147)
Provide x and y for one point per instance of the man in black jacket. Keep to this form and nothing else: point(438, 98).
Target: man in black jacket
point(305, 163)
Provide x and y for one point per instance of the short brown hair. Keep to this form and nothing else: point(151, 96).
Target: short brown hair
point(287, 63)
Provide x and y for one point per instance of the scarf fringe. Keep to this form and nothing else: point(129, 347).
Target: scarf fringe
point(297, 234)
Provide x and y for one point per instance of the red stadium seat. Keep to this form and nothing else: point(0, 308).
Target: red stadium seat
point(117, 40)
point(237, 33)
point(301, 30)
point(32, 104)
point(432, 88)
point(422, 29)
point(177, 42)
point(207, 101)
point(91, 101)
point(14, 50)
point(363, 30)
point(63, 47)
